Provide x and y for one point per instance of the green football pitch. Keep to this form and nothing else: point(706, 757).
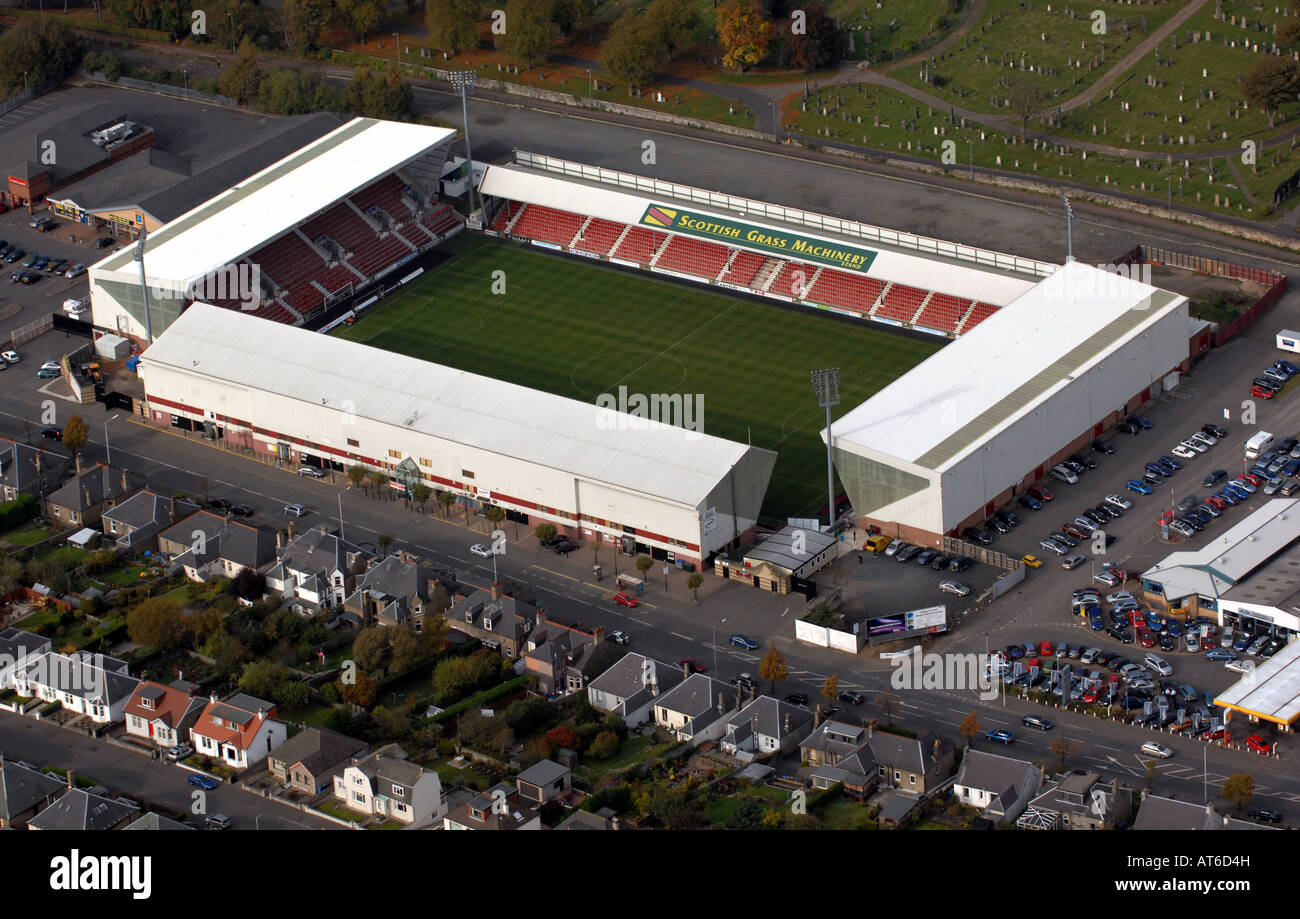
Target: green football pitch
point(581, 329)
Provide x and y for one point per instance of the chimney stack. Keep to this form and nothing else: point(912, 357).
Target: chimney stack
point(787, 722)
point(496, 590)
point(125, 486)
point(78, 464)
point(172, 508)
point(72, 782)
point(871, 728)
point(213, 698)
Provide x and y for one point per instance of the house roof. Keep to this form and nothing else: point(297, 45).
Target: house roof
point(543, 773)
point(93, 486)
point(999, 775)
point(87, 676)
point(1160, 813)
point(80, 810)
point(507, 620)
point(227, 540)
point(396, 577)
point(19, 463)
point(147, 507)
point(626, 678)
point(605, 819)
point(16, 644)
point(317, 750)
point(22, 789)
point(170, 705)
point(241, 710)
point(152, 821)
point(770, 717)
point(779, 548)
point(696, 696)
point(389, 764)
point(910, 753)
point(835, 737)
point(318, 551)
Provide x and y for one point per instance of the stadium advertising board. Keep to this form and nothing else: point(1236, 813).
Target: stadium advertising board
point(808, 248)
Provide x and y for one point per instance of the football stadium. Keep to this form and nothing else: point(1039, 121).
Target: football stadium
point(578, 289)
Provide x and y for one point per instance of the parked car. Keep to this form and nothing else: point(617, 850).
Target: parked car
point(954, 587)
point(1142, 488)
point(1259, 744)
point(960, 564)
point(1035, 721)
point(1140, 421)
point(1071, 562)
point(852, 696)
point(1042, 494)
point(1103, 446)
point(311, 472)
point(1105, 577)
point(480, 550)
point(202, 781)
point(1265, 814)
point(618, 638)
point(217, 822)
point(797, 698)
point(744, 641)
point(1119, 501)
point(1030, 502)
point(178, 753)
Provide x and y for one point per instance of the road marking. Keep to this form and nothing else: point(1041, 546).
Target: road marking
point(680, 635)
point(642, 622)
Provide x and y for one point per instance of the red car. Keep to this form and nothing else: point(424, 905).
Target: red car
point(1258, 744)
point(1221, 734)
point(689, 664)
point(1074, 531)
point(1046, 648)
point(1146, 638)
point(1261, 393)
point(1139, 621)
point(1252, 479)
point(624, 600)
point(1090, 696)
point(1042, 494)
point(1216, 502)
point(1166, 517)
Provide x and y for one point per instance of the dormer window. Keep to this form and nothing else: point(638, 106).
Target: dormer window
point(146, 703)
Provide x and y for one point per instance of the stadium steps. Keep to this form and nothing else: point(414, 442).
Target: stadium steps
point(282, 302)
point(880, 298)
point(663, 247)
point(352, 269)
point(977, 313)
point(811, 281)
point(510, 225)
point(319, 286)
point(409, 230)
point(582, 230)
point(727, 267)
point(743, 269)
point(324, 256)
point(621, 236)
point(767, 274)
point(370, 221)
point(921, 307)
point(409, 245)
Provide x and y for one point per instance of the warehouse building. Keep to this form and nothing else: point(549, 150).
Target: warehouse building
point(963, 432)
point(301, 397)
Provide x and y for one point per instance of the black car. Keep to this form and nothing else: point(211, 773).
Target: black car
point(1215, 430)
point(1167, 642)
point(1104, 658)
point(797, 698)
point(1121, 635)
point(1192, 522)
point(564, 548)
point(1286, 446)
point(550, 541)
point(28, 277)
point(1074, 466)
point(52, 433)
point(1084, 459)
point(853, 697)
point(1000, 525)
point(1266, 383)
point(1140, 421)
point(1103, 446)
point(940, 561)
point(1214, 478)
point(1096, 517)
point(983, 537)
point(220, 504)
point(103, 242)
point(1267, 814)
point(242, 510)
point(1128, 427)
point(960, 563)
point(14, 255)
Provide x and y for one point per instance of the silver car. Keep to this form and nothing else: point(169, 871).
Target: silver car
point(954, 587)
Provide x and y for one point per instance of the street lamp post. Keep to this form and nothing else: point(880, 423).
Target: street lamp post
point(590, 86)
point(185, 75)
point(108, 451)
point(776, 134)
point(341, 536)
point(397, 40)
point(1169, 196)
point(970, 145)
point(715, 643)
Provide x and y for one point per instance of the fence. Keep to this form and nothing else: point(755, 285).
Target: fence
point(31, 330)
point(165, 88)
point(954, 546)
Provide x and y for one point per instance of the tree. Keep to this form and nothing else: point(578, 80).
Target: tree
point(643, 564)
point(888, 704)
point(446, 499)
point(378, 477)
point(674, 22)
point(545, 531)
point(249, 584)
point(1239, 788)
point(393, 723)
point(361, 16)
point(1150, 766)
point(495, 515)
point(371, 648)
point(1288, 36)
point(560, 736)
point(156, 623)
point(75, 434)
point(969, 727)
point(405, 648)
point(527, 715)
point(242, 77)
point(604, 746)
point(262, 678)
point(361, 691)
point(831, 689)
point(632, 49)
point(773, 667)
point(693, 584)
point(386, 541)
point(484, 734)
point(743, 32)
point(1026, 98)
point(356, 475)
point(420, 494)
point(11, 574)
point(296, 92)
point(304, 21)
point(571, 16)
point(1270, 84)
point(821, 45)
point(1062, 746)
point(530, 32)
point(452, 24)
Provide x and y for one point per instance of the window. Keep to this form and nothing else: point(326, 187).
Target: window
point(398, 792)
point(395, 454)
point(358, 797)
point(353, 443)
point(425, 462)
point(467, 473)
point(911, 779)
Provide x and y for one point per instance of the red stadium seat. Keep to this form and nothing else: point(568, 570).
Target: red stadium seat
point(599, 236)
point(844, 290)
point(385, 194)
point(978, 313)
point(547, 224)
point(794, 280)
point(640, 244)
point(693, 256)
point(743, 269)
point(942, 312)
point(287, 260)
point(900, 302)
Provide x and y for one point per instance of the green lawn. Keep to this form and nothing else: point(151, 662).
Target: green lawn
point(845, 814)
point(895, 29)
point(583, 329)
point(335, 809)
point(28, 537)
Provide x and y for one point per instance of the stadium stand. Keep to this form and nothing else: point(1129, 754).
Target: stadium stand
point(978, 313)
point(386, 194)
point(792, 275)
point(341, 224)
point(942, 312)
point(287, 260)
point(900, 303)
point(693, 256)
point(847, 291)
point(743, 269)
point(378, 254)
point(548, 224)
point(640, 245)
point(599, 236)
point(440, 219)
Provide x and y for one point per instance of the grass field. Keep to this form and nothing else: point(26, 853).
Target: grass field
point(579, 330)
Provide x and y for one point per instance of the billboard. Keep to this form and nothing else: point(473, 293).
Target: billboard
point(886, 625)
point(931, 617)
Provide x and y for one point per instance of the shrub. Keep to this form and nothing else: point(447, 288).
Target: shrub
point(604, 746)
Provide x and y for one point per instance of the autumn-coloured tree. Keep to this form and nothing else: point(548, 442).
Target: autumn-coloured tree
point(969, 727)
point(361, 691)
point(561, 736)
point(356, 474)
point(1239, 789)
point(530, 31)
point(452, 24)
point(242, 78)
point(1062, 746)
point(675, 21)
point(632, 49)
point(831, 689)
point(773, 667)
point(156, 623)
point(75, 433)
point(744, 33)
point(888, 704)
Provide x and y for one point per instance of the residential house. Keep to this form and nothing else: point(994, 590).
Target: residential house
point(152, 821)
point(497, 621)
point(28, 470)
point(16, 648)
point(80, 810)
point(841, 753)
point(831, 741)
point(386, 784)
point(1156, 812)
point(135, 523)
point(82, 500)
point(916, 764)
point(93, 685)
point(393, 591)
point(696, 709)
point(216, 546)
point(1079, 801)
point(631, 685)
point(24, 793)
point(766, 725)
point(543, 781)
point(498, 808)
point(240, 731)
point(604, 819)
point(309, 760)
point(163, 715)
point(317, 570)
point(566, 657)
point(1001, 787)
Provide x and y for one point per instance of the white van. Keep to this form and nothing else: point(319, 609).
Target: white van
point(1258, 444)
point(75, 306)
